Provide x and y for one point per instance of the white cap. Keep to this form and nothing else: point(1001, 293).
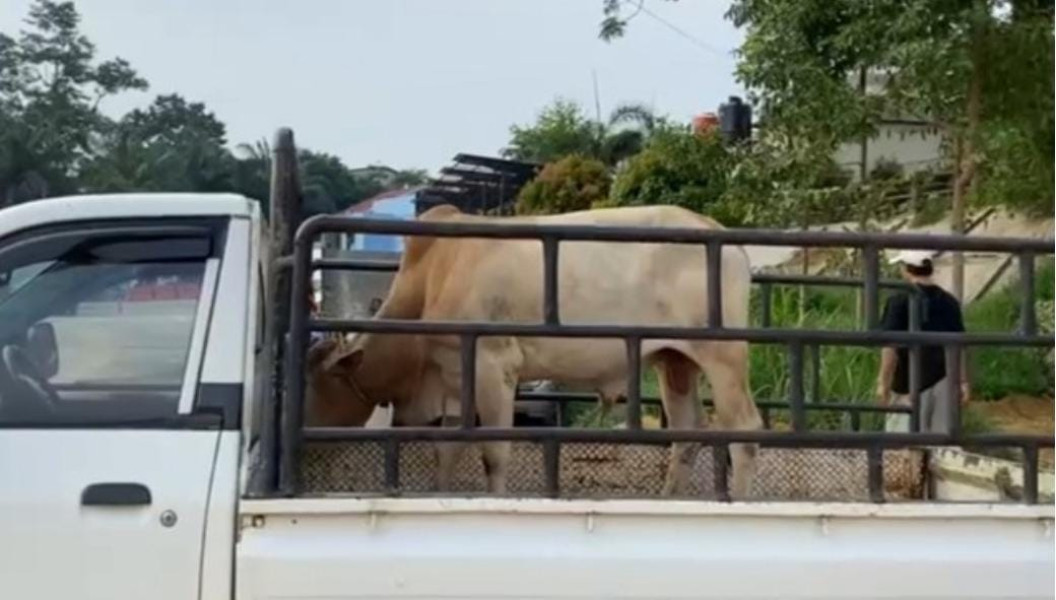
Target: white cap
point(913, 258)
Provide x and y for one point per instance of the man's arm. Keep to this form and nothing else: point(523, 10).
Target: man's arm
point(895, 318)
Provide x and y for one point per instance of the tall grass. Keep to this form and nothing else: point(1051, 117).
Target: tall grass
point(997, 372)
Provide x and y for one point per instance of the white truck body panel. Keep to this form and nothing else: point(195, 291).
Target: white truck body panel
point(53, 547)
point(490, 548)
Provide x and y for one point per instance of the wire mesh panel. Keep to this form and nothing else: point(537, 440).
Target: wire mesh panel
point(608, 471)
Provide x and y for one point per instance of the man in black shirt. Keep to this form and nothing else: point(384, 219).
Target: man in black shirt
point(937, 311)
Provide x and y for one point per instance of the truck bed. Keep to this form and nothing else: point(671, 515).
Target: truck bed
point(630, 549)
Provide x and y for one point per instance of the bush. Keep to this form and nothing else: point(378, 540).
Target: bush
point(679, 168)
point(570, 184)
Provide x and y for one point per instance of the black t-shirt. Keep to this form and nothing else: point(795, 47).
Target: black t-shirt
point(939, 311)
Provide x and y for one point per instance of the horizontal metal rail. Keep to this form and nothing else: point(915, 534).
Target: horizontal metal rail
point(762, 336)
point(808, 439)
point(550, 236)
point(673, 235)
point(565, 397)
point(385, 266)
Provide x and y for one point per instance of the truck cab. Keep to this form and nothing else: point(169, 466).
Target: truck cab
point(129, 332)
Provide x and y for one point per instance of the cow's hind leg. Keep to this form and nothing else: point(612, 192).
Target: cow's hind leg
point(678, 389)
point(725, 364)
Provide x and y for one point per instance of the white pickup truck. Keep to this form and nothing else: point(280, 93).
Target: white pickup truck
point(134, 365)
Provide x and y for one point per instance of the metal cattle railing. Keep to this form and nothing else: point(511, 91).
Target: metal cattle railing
point(766, 282)
point(292, 432)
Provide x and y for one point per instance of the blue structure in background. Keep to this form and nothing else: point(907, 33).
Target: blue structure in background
point(398, 205)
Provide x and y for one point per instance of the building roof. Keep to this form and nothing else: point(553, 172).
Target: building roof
point(478, 184)
point(378, 200)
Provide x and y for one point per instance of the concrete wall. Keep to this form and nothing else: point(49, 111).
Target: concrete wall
point(915, 147)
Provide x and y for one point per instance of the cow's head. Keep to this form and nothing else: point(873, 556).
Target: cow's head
point(333, 396)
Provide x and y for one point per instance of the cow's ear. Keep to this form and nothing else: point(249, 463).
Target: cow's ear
point(321, 350)
point(346, 359)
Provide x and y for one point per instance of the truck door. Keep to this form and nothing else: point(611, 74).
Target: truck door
point(105, 459)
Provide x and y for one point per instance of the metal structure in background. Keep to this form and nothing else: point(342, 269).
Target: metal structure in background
point(551, 438)
point(478, 184)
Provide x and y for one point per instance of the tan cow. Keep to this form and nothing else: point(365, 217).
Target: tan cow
point(451, 279)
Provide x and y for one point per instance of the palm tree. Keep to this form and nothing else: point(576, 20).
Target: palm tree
point(626, 133)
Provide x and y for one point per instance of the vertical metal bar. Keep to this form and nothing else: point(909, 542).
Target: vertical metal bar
point(293, 402)
point(795, 386)
point(765, 413)
point(1030, 474)
point(392, 467)
point(714, 284)
point(634, 383)
point(284, 203)
point(551, 314)
point(766, 300)
point(468, 351)
point(871, 257)
point(953, 381)
point(875, 458)
point(720, 459)
point(856, 420)
point(815, 370)
point(552, 467)
point(1028, 320)
point(915, 358)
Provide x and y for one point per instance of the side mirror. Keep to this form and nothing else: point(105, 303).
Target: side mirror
point(43, 348)
point(5, 278)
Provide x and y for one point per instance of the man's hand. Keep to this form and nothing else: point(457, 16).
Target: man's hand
point(966, 393)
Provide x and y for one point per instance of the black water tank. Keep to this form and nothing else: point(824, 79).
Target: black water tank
point(735, 120)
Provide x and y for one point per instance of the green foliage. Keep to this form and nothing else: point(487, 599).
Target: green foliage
point(562, 129)
point(570, 184)
point(50, 86)
point(679, 168)
point(997, 372)
point(981, 71)
point(54, 141)
point(172, 145)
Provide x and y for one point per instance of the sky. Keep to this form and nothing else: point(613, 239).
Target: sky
point(407, 83)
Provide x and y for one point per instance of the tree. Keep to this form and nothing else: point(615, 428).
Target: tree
point(680, 168)
point(570, 184)
point(172, 145)
point(562, 129)
point(50, 89)
point(982, 73)
point(981, 70)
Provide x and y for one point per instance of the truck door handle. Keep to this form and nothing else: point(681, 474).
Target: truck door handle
point(115, 494)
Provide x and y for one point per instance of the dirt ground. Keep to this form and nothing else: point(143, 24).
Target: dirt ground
point(1023, 414)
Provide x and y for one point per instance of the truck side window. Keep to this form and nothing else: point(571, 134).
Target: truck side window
point(96, 329)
